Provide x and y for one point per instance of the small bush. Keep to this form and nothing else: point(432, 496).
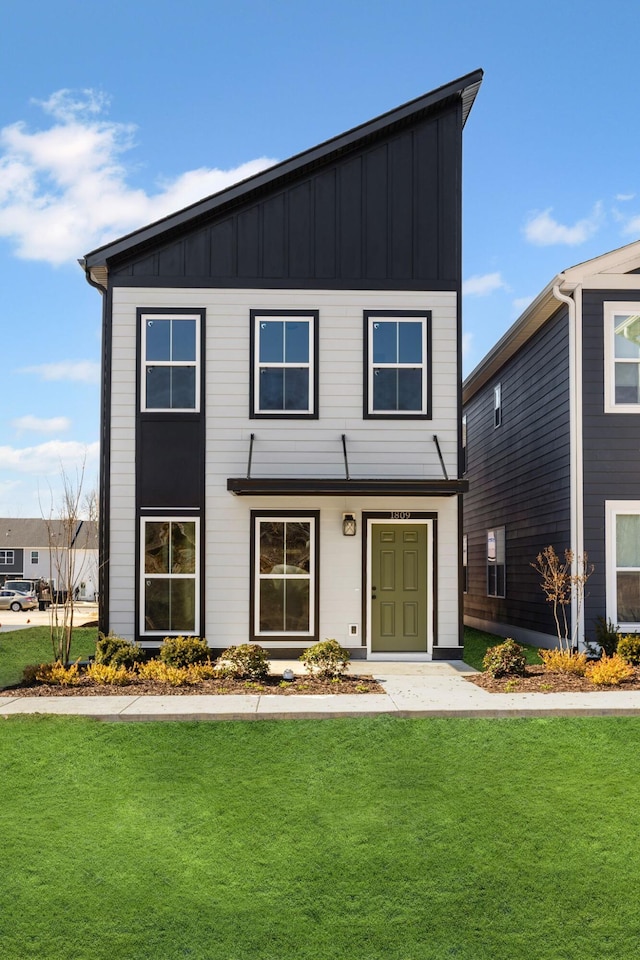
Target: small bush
point(562, 661)
point(109, 674)
point(115, 651)
point(629, 649)
point(609, 671)
point(326, 659)
point(58, 675)
point(183, 651)
point(248, 661)
point(505, 659)
point(159, 672)
point(607, 636)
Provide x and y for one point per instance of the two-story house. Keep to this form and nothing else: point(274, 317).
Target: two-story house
point(281, 400)
point(551, 432)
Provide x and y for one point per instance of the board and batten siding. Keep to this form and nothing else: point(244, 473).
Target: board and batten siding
point(310, 448)
point(611, 447)
point(519, 478)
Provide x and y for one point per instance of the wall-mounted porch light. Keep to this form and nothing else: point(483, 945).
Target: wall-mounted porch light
point(348, 525)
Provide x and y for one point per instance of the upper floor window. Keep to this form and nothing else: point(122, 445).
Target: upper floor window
point(464, 444)
point(170, 362)
point(465, 563)
point(497, 405)
point(397, 374)
point(7, 557)
point(496, 562)
point(284, 368)
point(622, 357)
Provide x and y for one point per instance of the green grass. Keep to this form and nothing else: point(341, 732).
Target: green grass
point(476, 644)
point(326, 840)
point(18, 648)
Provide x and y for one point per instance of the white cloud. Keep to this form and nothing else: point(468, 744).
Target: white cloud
point(467, 345)
point(481, 285)
point(41, 424)
point(49, 458)
point(543, 231)
point(521, 303)
point(63, 190)
point(78, 371)
point(623, 197)
point(632, 226)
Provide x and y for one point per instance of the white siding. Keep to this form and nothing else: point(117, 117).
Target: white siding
point(313, 448)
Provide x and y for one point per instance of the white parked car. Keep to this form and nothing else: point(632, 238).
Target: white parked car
point(14, 600)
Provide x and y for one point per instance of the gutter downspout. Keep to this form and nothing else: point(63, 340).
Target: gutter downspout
point(574, 307)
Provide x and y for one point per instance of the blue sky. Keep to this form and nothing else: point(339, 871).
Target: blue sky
point(111, 117)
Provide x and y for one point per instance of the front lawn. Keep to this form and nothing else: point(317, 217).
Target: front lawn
point(320, 840)
point(18, 648)
point(476, 644)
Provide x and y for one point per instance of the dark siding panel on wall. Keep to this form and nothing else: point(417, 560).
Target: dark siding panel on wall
point(611, 447)
point(519, 476)
point(384, 215)
point(161, 485)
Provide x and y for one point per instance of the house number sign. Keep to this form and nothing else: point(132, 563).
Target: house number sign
point(400, 515)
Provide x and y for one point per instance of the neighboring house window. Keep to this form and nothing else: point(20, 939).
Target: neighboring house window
point(497, 405)
point(622, 357)
point(496, 562)
point(465, 566)
point(464, 444)
point(397, 374)
point(170, 576)
point(6, 557)
point(35, 557)
point(623, 563)
point(285, 592)
point(171, 362)
point(284, 348)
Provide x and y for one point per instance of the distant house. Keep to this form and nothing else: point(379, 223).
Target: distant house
point(32, 549)
point(281, 400)
point(551, 432)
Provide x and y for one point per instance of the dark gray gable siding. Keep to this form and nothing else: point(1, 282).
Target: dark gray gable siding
point(519, 476)
point(611, 447)
point(384, 215)
point(10, 569)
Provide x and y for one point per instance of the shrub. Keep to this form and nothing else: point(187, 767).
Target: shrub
point(607, 636)
point(159, 672)
point(505, 659)
point(117, 652)
point(629, 649)
point(58, 675)
point(110, 674)
point(248, 661)
point(326, 659)
point(562, 661)
point(183, 651)
point(609, 671)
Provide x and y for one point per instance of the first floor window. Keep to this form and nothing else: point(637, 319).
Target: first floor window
point(35, 556)
point(497, 405)
point(170, 563)
point(285, 575)
point(397, 373)
point(496, 562)
point(465, 564)
point(627, 567)
point(171, 356)
point(6, 557)
point(285, 367)
point(622, 357)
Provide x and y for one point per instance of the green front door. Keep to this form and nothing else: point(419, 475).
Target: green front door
point(399, 590)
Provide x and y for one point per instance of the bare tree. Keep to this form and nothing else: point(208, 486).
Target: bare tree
point(562, 582)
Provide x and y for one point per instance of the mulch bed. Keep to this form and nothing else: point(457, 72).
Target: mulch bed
point(297, 687)
point(537, 680)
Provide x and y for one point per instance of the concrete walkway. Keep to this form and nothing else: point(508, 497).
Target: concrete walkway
point(436, 689)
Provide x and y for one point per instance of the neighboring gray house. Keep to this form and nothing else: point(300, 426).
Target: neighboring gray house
point(32, 549)
point(281, 400)
point(552, 445)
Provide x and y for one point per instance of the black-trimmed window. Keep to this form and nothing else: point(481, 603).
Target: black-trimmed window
point(496, 566)
point(169, 600)
point(284, 367)
point(497, 405)
point(285, 575)
point(170, 346)
point(465, 563)
point(397, 364)
point(7, 557)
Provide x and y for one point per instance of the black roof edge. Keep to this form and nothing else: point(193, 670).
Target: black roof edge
point(465, 87)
